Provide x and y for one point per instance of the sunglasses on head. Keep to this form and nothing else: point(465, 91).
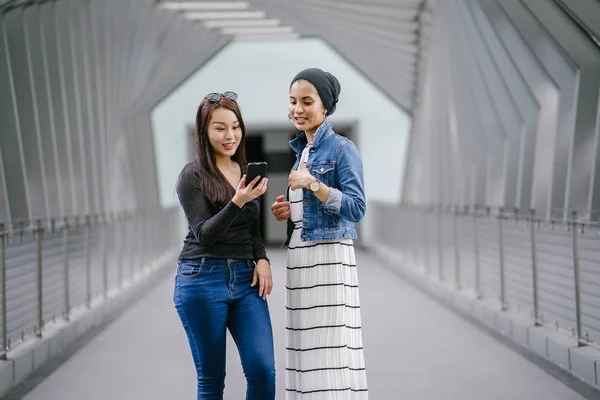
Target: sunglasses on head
point(216, 97)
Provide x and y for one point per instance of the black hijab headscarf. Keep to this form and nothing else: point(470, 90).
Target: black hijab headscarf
point(326, 84)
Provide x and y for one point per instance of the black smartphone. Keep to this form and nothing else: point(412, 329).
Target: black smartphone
point(256, 169)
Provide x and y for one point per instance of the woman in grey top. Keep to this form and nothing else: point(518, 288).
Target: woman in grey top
point(224, 275)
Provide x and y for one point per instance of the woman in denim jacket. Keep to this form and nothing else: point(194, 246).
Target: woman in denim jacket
point(326, 198)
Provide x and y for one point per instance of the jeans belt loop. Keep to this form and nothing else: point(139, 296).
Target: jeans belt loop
point(202, 262)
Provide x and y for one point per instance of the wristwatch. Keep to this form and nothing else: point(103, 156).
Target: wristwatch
point(315, 186)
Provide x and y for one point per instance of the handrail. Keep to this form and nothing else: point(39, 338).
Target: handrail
point(73, 261)
point(29, 224)
point(509, 256)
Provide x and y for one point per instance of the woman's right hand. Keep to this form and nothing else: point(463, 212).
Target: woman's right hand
point(244, 194)
point(281, 209)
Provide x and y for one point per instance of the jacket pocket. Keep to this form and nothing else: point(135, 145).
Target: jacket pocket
point(324, 172)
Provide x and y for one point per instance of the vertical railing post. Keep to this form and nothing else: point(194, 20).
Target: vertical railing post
point(88, 262)
point(399, 232)
point(418, 236)
point(39, 232)
point(155, 234)
point(440, 241)
point(534, 270)
point(158, 218)
point(478, 291)
point(119, 252)
point(426, 247)
point(503, 302)
point(143, 239)
point(131, 247)
point(22, 230)
point(414, 239)
point(576, 277)
point(456, 214)
point(66, 282)
point(104, 252)
point(3, 242)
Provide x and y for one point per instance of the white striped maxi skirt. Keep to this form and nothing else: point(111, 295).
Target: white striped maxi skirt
point(324, 348)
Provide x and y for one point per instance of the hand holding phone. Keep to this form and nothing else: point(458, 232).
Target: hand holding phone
point(256, 169)
point(245, 191)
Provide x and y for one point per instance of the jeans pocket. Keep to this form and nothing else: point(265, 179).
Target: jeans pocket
point(189, 271)
point(251, 265)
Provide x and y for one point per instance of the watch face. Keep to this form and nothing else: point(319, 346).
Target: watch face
point(314, 186)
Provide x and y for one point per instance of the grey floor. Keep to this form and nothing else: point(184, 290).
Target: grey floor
point(414, 348)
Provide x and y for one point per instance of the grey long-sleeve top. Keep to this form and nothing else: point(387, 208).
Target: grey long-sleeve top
point(217, 232)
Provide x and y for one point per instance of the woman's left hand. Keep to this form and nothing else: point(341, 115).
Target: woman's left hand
point(262, 276)
point(301, 178)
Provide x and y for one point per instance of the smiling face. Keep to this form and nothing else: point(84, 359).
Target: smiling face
point(306, 108)
point(224, 132)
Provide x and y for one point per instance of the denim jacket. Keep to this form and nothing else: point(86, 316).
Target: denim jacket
point(333, 160)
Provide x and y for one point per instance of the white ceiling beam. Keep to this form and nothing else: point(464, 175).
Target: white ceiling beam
point(258, 31)
point(225, 15)
point(204, 5)
point(270, 38)
point(234, 23)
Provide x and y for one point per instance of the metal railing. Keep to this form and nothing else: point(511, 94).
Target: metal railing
point(515, 260)
point(50, 267)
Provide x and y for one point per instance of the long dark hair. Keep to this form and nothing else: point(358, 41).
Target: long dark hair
point(215, 186)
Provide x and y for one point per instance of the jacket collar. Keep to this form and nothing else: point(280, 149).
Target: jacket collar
point(300, 141)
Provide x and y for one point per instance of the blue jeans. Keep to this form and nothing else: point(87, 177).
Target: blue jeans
point(211, 296)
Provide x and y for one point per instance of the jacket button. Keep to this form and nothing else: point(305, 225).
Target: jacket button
point(322, 169)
